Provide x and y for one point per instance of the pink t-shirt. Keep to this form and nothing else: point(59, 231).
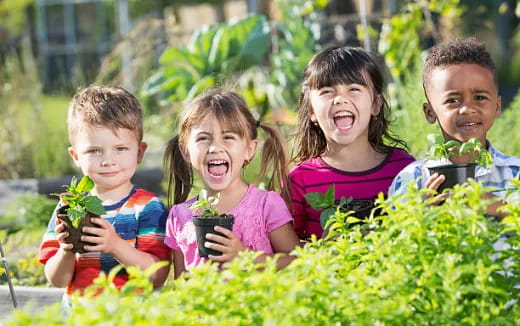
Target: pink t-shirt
point(314, 175)
point(256, 215)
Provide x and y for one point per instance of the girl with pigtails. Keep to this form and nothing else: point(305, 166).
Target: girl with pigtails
point(217, 138)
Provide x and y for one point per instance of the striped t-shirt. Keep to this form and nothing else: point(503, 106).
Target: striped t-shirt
point(314, 175)
point(140, 219)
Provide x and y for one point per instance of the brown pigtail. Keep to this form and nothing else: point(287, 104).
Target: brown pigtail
point(274, 155)
point(178, 170)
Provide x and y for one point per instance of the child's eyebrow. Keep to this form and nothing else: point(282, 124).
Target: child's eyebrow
point(482, 91)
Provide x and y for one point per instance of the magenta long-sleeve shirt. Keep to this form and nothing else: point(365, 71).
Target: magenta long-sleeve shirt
point(314, 175)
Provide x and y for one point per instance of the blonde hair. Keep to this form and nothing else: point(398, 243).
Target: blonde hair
point(231, 111)
point(104, 106)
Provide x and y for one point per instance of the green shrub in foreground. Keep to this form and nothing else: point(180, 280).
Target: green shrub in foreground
point(420, 265)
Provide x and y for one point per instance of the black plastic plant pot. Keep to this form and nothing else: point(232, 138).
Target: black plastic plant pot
point(455, 174)
point(361, 208)
point(76, 233)
point(207, 225)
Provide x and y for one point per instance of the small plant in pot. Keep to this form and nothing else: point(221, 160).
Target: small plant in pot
point(457, 173)
point(360, 208)
point(78, 210)
point(208, 217)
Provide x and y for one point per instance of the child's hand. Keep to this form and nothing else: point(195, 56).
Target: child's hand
point(433, 183)
point(228, 244)
point(104, 237)
point(61, 235)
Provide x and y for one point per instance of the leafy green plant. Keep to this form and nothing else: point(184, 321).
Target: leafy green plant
point(420, 265)
point(441, 149)
point(213, 54)
point(327, 203)
point(76, 196)
point(207, 205)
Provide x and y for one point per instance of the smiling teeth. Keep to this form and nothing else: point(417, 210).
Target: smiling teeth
point(470, 123)
point(216, 162)
point(343, 114)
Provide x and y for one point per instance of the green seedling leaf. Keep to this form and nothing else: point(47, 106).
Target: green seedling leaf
point(316, 200)
point(325, 216)
point(94, 205)
point(206, 205)
point(85, 184)
point(329, 197)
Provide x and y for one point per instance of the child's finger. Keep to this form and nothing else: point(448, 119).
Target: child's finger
point(228, 233)
point(93, 248)
point(93, 230)
point(217, 238)
point(100, 221)
point(92, 239)
point(66, 246)
point(216, 246)
point(220, 259)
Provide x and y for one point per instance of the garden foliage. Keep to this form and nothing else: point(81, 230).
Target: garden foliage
point(418, 264)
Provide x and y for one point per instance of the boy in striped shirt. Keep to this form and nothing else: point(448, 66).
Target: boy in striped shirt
point(106, 131)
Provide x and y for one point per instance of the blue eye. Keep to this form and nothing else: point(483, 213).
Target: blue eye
point(93, 151)
point(122, 148)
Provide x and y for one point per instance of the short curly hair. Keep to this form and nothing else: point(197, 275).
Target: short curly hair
point(458, 51)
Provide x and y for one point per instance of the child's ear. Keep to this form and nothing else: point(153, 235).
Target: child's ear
point(499, 106)
point(140, 152)
point(251, 149)
point(74, 155)
point(378, 104)
point(429, 113)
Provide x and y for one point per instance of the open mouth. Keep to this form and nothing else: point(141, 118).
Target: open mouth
point(217, 168)
point(344, 119)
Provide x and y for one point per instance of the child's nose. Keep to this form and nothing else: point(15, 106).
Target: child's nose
point(339, 99)
point(106, 160)
point(465, 108)
point(215, 147)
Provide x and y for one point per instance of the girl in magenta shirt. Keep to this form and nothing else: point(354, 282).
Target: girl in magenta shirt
point(342, 137)
point(217, 138)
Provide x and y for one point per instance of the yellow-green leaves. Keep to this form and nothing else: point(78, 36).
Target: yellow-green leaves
point(76, 196)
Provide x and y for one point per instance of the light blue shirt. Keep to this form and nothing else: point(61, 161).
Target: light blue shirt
point(504, 169)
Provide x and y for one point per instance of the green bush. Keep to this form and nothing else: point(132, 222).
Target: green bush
point(417, 265)
point(28, 211)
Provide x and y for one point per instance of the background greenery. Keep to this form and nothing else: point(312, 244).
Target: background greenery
point(414, 276)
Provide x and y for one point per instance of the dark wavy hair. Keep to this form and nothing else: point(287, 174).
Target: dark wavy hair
point(342, 65)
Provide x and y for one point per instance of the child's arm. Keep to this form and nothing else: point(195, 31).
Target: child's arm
point(108, 241)
point(178, 264)
point(59, 269)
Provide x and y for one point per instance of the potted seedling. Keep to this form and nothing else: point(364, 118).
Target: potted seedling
point(460, 172)
point(360, 208)
point(78, 210)
point(206, 219)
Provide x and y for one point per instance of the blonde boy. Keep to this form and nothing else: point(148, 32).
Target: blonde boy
point(105, 132)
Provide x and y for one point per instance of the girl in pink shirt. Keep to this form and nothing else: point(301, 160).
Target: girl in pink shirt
point(342, 137)
point(217, 138)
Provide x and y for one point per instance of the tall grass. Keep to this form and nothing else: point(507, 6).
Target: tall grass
point(33, 138)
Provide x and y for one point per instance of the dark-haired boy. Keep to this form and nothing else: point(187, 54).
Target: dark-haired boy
point(461, 88)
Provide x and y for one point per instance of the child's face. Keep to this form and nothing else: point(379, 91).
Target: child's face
point(343, 112)
point(109, 159)
point(464, 99)
point(218, 155)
